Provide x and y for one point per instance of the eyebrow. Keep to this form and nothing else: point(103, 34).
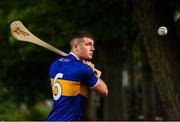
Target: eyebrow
point(90, 42)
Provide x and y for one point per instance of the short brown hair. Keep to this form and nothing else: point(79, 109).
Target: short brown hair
point(81, 34)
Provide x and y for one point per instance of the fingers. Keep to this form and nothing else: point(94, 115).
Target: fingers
point(90, 64)
point(97, 72)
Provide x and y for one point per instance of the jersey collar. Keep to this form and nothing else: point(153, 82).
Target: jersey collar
point(74, 55)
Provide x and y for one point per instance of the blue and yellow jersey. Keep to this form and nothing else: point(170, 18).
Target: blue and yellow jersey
point(70, 79)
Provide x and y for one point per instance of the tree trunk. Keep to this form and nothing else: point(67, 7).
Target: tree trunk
point(129, 87)
point(162, 51)
point(148, 89)
point(113, 103)
point(112, 75)
point(90, 109)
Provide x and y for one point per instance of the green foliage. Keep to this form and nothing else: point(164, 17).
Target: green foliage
point(53, 21)
point(11, 111)
point(39, 112)
point(25, 66)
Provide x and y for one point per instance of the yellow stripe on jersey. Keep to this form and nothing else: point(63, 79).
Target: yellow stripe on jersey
point(70, 88)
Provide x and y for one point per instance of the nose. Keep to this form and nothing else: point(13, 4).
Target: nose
point(92, 48)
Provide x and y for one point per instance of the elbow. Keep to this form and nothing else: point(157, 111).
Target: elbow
point(101, 89)
point(105, 93)
point(102, 93)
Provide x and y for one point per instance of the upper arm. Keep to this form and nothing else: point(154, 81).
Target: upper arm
point(101, 88)
point(95, 83)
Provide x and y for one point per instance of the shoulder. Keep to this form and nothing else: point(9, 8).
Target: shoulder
point(89, 76)
point(54, 64)
point(88, 71)
point(86, 68)
point(61, 60)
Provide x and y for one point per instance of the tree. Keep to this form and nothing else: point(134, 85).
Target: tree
point(148, 87)
point(162, 51)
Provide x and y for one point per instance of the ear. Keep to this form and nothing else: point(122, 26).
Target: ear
point(75, 46)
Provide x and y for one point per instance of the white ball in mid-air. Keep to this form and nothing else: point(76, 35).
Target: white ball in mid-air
point(162, 31)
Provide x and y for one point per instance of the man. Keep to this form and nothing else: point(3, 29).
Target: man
point(71, 78)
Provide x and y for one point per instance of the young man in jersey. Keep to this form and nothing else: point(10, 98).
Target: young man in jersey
point(71, 79)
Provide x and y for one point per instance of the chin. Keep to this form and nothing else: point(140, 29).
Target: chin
point(89, 58)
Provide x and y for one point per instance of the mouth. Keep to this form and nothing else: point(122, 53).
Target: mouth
point(91, 54)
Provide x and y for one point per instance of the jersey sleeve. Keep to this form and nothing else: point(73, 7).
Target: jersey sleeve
point(90, 78)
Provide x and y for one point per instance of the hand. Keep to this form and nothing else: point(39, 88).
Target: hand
point(90, 64)
point(97, 72)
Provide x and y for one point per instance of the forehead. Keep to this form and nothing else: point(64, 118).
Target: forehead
point(86, 39)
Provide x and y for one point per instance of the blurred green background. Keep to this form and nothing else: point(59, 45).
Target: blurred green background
point(140, 67)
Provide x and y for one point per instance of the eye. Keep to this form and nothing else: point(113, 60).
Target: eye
point(89, 43)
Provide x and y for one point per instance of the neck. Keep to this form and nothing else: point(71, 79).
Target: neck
point(74, 54)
